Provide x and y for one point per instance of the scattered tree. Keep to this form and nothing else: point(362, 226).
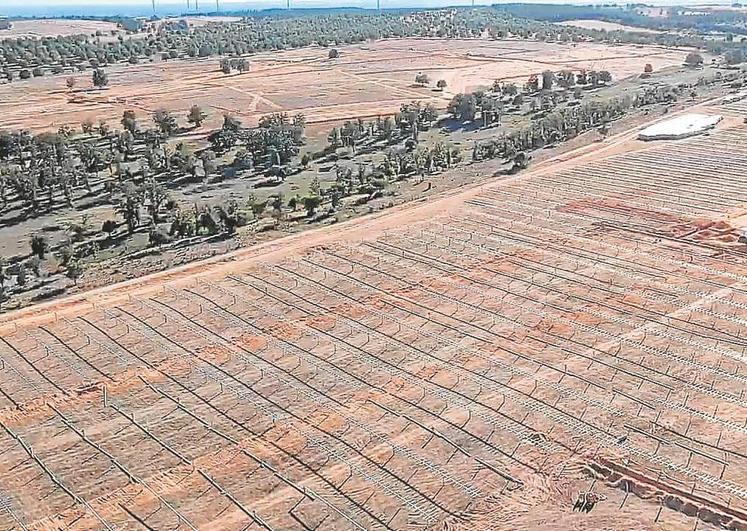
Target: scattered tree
point(311, 203)
point(158, 237)
point(74, 271)
point(36, 267)
point(196, 116)
point(129, 206)
point(129, 121)
point(109, 226)
point(3, 271)
point(39, 246)
point(66, 253)
point(532, 84)
point(165, 122)
point(100, 78)
point(225, 65)
point(315, 187)
point(520, 161)
point(693, 59)
point(258, 207)
point(422, 79)
point(209, 164)
point(156, 196)
point(242, 65)
point(605, 76)
point(509, 89)
point(21, 274)
point(463, 107)
point(87, 126)
point(548, 79)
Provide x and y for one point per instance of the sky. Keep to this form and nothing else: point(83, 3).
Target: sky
point(27, 8)
point(142, 7)
point(9, 7)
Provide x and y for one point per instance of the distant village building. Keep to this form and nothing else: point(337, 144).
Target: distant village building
point(5, 24)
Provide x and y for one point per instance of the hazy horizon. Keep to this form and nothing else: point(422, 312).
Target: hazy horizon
point(98, 8)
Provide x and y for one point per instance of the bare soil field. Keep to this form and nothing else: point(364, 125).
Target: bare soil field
point(474, 362)
point(55, 27)
point(366, 81)
point(604, 25)
point(196, 21)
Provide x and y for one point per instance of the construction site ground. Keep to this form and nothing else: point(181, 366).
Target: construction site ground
point(471, 362)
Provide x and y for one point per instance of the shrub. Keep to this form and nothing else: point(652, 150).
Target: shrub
point(39, 246)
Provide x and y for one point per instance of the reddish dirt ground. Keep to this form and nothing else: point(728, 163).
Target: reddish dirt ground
point(366, 81)
point(472, 362)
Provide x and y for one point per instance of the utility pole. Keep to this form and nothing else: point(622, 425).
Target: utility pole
point(217, 7)
point(288, 4)
point(378, 5)
point(154, 6)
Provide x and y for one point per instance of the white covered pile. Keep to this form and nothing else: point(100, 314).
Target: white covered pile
point(680, 127)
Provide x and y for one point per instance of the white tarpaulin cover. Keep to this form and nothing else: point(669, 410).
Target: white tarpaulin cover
point(680, 127)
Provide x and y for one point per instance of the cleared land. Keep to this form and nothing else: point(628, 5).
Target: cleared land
point(471, 363)
point(604, 25)
point(196, 21)
point(55, 27)
point(366, 81)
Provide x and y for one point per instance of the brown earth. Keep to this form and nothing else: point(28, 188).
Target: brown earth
point(55, 27)
point(471, 362)
point(604, 25)
point(366, 81)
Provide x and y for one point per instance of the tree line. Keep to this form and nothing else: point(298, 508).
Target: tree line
point(674, 19)
point(256, 33)
point(564, 123)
